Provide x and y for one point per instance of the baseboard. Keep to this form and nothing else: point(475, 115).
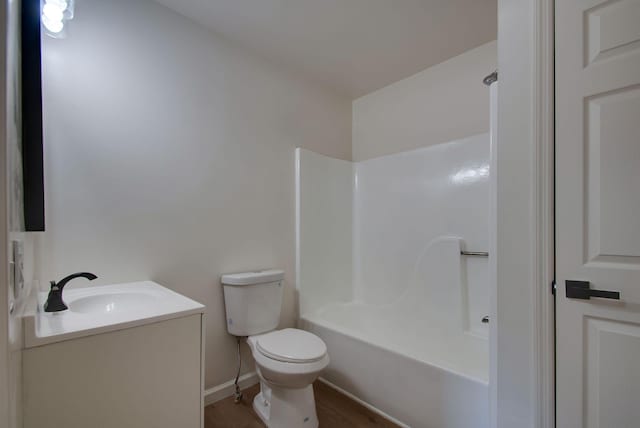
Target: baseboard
point(224, 390)
point(364, 403)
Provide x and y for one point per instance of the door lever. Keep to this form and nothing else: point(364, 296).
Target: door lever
point(581, 290)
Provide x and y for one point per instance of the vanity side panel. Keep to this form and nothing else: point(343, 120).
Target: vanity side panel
point(147, 376)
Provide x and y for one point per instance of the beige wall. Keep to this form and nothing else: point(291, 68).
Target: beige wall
point(4, 275)
point(442, 103)
point(170, 157)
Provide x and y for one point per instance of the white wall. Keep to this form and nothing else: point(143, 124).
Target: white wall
point(442, 103)
point(170, 156)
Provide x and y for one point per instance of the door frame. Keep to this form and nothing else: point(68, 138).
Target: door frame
point(544, 300)
point(5, 393)
point(522, 378)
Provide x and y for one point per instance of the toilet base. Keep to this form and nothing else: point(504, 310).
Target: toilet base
point(286, 408)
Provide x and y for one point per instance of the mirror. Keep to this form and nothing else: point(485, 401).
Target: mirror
point(25, 135)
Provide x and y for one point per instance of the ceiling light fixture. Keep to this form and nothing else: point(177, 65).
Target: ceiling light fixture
point(54, 15)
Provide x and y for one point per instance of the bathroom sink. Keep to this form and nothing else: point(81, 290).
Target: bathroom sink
point(99, 309)
point(111, 303)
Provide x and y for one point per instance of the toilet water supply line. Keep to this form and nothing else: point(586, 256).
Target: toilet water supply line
point(238, 393)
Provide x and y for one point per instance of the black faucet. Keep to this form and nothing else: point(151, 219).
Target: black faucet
point(54, 301)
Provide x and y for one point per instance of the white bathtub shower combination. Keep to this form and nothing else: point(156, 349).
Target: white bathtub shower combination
point(382, 280)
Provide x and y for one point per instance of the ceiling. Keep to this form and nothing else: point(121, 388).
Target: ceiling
point(355, 46)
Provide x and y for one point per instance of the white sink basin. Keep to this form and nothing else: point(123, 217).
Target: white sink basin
point(99, 309)
point(111, 303)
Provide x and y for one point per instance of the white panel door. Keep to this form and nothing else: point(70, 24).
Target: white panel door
point(598, 212)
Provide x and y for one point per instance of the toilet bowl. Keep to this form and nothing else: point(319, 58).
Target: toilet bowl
point(288, 362)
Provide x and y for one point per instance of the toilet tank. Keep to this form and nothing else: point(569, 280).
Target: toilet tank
point(252, 301)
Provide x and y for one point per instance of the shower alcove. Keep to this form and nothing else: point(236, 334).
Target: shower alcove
point(384, 280)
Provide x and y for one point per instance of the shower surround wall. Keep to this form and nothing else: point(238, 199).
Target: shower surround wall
point(410, 301)
point(324, 264)
point(404, 201)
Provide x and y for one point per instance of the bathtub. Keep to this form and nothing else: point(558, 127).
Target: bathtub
point(414, 359)
point(413, 382)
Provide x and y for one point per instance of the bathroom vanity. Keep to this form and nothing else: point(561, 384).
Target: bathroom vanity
point(125, 355)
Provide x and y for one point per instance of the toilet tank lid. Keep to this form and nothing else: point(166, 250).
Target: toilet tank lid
point(251, 278)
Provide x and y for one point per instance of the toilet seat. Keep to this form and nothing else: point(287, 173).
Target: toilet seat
point(311, 359)
point(291, 345)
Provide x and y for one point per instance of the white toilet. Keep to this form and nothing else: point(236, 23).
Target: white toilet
point(288, 361)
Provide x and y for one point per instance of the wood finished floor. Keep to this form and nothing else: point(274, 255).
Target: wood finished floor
point(335, 410)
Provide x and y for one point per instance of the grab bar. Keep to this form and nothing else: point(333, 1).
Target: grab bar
point(475, 253)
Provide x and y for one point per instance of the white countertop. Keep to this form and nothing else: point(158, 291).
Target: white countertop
point(100, 309)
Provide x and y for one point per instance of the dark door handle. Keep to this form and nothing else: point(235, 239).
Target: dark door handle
point(581, 290)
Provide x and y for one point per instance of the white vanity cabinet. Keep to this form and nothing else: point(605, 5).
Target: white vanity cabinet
point(136, 374)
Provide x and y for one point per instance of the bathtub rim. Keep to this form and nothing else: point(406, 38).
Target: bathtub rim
point(353, 336)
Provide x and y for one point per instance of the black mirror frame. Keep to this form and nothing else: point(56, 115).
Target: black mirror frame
point(32, 129)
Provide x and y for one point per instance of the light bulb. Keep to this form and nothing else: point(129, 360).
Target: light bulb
point(60, 4)
point(52, 25)
point(54, 15)
point(52, 12)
